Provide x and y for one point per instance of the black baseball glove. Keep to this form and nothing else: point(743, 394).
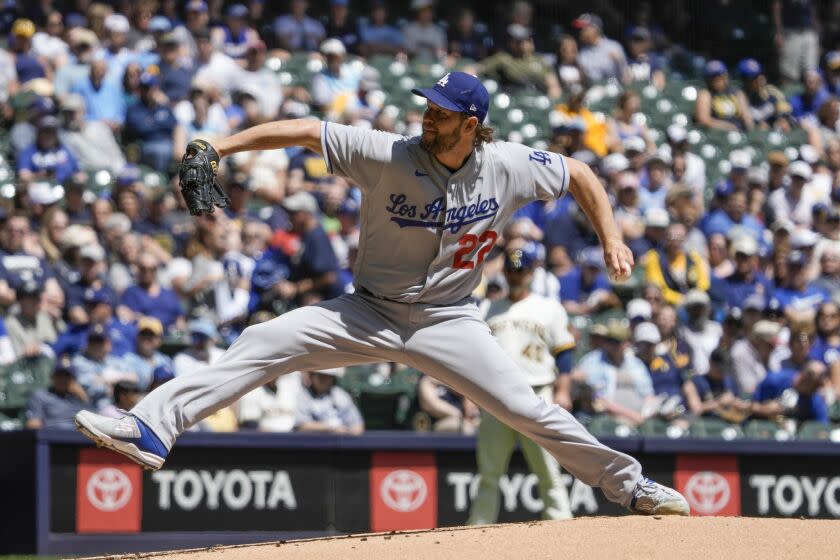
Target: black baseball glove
point(201, 191)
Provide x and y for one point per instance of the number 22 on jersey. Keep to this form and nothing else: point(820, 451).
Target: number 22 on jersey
point(468, 244)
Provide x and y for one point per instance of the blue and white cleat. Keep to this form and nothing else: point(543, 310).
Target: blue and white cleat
point(127, 436)
point(652, 498)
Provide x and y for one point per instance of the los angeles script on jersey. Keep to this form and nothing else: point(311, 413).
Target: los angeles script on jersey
point(406, 214)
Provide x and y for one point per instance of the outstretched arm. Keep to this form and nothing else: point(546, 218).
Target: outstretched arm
point(592, 199)
point(273, 136)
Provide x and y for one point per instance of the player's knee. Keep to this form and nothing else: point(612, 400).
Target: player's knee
point(526, 409)
point(271, 329)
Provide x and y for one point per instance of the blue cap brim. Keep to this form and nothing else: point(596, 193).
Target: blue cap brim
point(438, 98)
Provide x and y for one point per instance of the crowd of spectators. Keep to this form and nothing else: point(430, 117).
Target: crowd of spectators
point(733, 312)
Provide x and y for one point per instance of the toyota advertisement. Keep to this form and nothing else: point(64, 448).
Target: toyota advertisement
point(352, 491)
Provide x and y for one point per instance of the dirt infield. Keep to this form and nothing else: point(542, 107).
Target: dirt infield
point(601, 537)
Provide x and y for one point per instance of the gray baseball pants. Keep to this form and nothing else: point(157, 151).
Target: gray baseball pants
point(451, 343)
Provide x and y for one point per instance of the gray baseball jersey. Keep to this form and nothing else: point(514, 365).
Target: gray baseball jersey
point(426, 231)
point(425, 234)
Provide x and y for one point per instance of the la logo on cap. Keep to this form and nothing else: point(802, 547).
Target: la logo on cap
point(443, 81)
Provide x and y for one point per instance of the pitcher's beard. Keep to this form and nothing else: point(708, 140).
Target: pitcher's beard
point(439, 143)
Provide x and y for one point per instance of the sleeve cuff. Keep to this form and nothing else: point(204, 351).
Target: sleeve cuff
point(565, 185)
point(325, 149)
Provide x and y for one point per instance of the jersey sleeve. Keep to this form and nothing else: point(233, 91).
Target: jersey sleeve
point(545, 174)
point(559, 337)
point(357, 153)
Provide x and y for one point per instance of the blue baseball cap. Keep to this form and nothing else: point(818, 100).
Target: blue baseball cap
point(349, 208)
point(149, 79)
point(160, 24)
point(592, 257)
point(750, 68)
point(237, 11)
point(521, 259)
point(774, 306)
point(98, 332)
point(129, 175)
point(797, 258)
point(196, 6)
point(755, 302)
point(461, 92)
point(94, 296)
point(203, 327)
point(65, 365)
point(74, 19)
point(714, 68)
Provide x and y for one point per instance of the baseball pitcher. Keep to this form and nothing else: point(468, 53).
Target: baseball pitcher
point(432, 208)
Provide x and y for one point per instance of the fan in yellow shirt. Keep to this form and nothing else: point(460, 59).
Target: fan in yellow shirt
point(674, 270)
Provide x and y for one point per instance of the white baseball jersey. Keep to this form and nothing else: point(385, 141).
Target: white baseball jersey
point(532, 331)
point(425, 230)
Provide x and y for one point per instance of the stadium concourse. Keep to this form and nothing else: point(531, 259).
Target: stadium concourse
point(692, 539)
point(724, 175)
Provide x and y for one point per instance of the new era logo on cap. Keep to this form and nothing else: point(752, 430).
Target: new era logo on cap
point(461, 92)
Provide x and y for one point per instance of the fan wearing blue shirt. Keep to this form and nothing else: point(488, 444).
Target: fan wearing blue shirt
point(770, 399)
point(377, 36)
point(148, 362)
point(826, 347)
point(799, 295)
point(806, 104)
point(734, 213)
point(148, 298)
point(586, 287)
point(707, 395)
point(56, 405)
point(666, 377)
point(315, 268)
point(99, 308)
point(746, 279)
point(47, 159)
point(104, 100)
point(152, 124)
point(297, 31)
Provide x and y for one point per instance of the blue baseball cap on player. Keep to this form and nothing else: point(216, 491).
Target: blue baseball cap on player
point(520, 259)
point(461, 92)
point(749, 68)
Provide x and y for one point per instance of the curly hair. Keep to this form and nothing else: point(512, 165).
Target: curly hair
point(483, 133)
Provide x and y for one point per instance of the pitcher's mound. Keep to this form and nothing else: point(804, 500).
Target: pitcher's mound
point(671, 538)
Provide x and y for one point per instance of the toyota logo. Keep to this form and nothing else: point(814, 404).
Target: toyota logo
point(108, 489)
point(707, 492)
point(403, 490)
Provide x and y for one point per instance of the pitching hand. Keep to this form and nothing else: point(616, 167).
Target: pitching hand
point(619, 259)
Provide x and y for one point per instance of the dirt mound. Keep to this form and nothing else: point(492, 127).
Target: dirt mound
point(599, 537)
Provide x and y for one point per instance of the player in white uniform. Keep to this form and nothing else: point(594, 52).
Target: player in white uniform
point(432, 208)
point(534, 331)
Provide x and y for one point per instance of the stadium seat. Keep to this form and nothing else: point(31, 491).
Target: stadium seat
point(655, 427)
point(815, 431)
point(765, 429)
point(386, 402)
point(714, 428)
point(834, 412)
point(20, 379)
point(10, 424)
point(608, 426)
